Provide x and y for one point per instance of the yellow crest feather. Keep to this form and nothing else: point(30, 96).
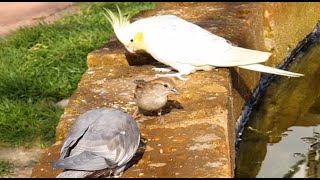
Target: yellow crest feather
point(117, 21)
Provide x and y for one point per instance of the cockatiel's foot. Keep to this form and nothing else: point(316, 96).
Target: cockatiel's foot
point(205, 68)
point(178, 75)
point(162, 69)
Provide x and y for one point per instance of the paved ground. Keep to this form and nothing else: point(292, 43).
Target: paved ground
point(16, 14)
point(24, 159)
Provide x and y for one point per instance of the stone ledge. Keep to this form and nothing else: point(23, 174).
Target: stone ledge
point(191, 135)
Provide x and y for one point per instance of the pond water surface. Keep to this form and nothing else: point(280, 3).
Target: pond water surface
point(282, 138)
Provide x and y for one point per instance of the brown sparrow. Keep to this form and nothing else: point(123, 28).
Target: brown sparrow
point(153, 95)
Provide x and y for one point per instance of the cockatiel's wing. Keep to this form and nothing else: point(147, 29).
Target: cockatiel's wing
point(101, 138)
point(169, 37)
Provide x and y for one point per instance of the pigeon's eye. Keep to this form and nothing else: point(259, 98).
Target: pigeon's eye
point(131, 40)
point(165, 85)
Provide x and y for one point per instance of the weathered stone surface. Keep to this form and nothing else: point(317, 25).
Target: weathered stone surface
point(198, 140)
point(192, 135)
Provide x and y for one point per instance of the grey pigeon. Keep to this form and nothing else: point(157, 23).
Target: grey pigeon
point(103, 138)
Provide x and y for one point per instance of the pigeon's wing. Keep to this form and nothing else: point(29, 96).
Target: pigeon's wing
point(111, 138)
point(78, 129)
point(131, 140)
point(74, 174)
point(87, 161)
point(116, 140)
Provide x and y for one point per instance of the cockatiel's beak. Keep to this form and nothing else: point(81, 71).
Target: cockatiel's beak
point(130, 49)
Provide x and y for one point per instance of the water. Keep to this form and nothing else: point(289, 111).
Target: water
point(289, 157)
point(282, 138)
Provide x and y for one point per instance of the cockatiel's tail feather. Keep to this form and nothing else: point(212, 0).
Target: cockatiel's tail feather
point(236, 56)
point(233, 56)
point(248, 59)
point(267, 69)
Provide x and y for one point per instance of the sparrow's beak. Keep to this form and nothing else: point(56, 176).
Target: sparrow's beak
point(175, 90)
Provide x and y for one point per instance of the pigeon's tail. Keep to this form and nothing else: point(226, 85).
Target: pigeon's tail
point(74, 174)
point(271, 70)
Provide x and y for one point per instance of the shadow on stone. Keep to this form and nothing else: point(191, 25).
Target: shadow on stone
point(139, 154)
point(239, 84)
point(140, 59)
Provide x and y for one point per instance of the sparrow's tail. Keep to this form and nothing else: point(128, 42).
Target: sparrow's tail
point(267, 69)
point(74, 174)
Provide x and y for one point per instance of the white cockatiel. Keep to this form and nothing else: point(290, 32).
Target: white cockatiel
point(185, 47)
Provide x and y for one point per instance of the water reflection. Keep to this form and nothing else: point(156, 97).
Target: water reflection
point(275, 141)
point(290, 157)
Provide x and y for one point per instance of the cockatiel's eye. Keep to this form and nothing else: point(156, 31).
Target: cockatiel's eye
point(131, 40)
point(165, 85)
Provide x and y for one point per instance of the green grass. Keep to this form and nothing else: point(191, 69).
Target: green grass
point(42, 65)
point(6, 167)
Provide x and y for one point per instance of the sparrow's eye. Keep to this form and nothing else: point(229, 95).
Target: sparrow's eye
point(131, 40)
point(165, 85)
